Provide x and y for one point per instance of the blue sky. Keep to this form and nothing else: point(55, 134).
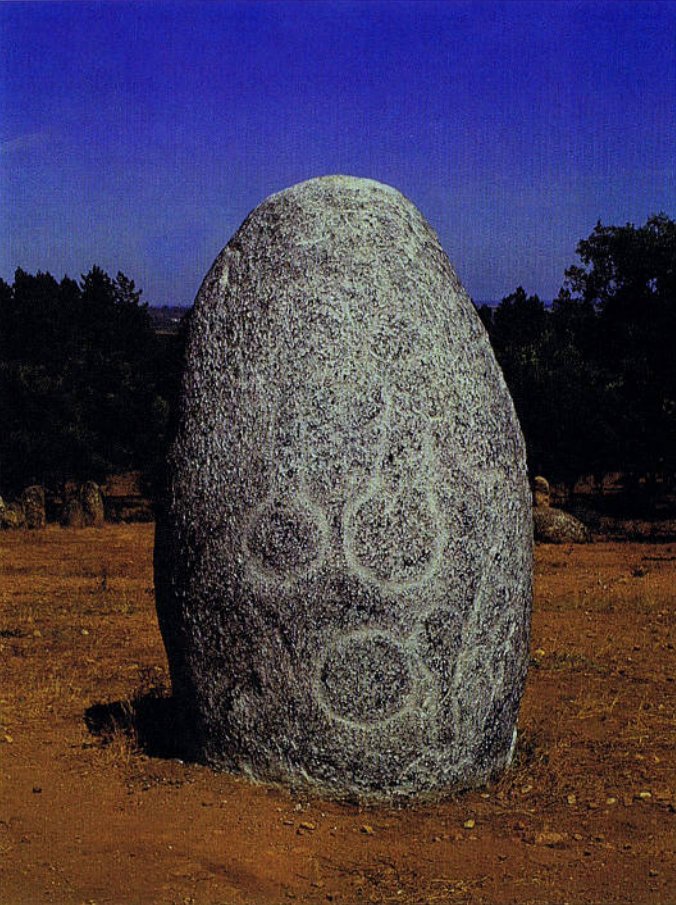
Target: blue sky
point(139, 135)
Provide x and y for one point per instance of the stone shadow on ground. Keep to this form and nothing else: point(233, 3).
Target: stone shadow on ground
point(149, 720)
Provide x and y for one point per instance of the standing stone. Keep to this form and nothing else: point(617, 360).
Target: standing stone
point(72, 515)
point(343, 567)
point(33, 502)
point(541, 492)
point(13, 516)
point(92, 504)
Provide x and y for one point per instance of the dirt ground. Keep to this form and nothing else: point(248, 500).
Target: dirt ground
point(94, 809)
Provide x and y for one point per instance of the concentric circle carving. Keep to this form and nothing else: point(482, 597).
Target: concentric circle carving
point(285, 539)
point(365, 678)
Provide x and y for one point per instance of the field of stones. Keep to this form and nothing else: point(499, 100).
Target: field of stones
point(98, 806)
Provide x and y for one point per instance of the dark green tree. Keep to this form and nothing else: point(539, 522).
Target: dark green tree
point(623, 299)
point(82, 377)
point(594, 378)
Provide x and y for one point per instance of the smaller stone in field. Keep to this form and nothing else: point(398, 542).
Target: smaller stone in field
point(549, 838)
point(72, 515)
point(554, 526)
point(541, 492)
point(33, 501)
point(13, 516)
point(92, 504)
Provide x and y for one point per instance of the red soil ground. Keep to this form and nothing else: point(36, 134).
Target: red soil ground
point(88, 816)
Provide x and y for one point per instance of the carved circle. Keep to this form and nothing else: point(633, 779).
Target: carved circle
point(393, 542)
point(365, 678)
point(286, 538)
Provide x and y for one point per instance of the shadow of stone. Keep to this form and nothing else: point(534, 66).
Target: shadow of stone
point(149, 720)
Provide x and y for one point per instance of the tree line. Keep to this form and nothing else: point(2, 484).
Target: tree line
point(87, 386)
point(594, 378)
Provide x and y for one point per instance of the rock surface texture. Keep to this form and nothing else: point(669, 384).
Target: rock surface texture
point(343, 566)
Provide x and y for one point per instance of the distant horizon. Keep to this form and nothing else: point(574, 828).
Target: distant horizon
point(492, 303)
point(186, 305)
point(139, 135)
